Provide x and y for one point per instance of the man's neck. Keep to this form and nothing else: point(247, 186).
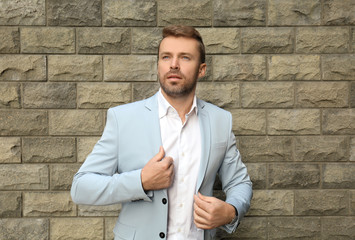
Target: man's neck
point(181, 104)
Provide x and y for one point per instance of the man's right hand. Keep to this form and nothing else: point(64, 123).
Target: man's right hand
point(158, 173)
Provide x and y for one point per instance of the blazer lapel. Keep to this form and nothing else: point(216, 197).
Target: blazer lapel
point(205, 141)
point(153, 124)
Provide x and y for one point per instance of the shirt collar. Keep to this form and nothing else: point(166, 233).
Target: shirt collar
point(164, 105)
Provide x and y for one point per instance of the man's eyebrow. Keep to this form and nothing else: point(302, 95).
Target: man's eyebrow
point(181, 53)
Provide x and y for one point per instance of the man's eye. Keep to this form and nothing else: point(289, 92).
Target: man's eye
point(164, 57)
point(186, 57)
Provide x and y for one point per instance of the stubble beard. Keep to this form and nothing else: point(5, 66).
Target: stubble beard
point(176, 89)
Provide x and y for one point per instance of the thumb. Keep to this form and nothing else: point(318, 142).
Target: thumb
point(160, 155)
point(203, 197)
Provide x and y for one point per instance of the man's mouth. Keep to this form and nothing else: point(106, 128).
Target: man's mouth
point(174, 76)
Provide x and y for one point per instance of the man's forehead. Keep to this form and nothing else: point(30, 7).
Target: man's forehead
point(179, 44)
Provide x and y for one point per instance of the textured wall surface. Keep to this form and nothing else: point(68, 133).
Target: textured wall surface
point(284, 68)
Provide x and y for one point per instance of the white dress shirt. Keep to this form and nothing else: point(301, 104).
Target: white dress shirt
point(182, 142)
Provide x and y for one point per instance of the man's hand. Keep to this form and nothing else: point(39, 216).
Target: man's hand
point(158, 173)
point(210, 212)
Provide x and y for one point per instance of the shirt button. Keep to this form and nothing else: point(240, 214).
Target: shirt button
point(162, 235)
point(164, 201)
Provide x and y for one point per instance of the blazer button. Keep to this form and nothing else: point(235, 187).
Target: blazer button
point(162, 235)
point(164, 201)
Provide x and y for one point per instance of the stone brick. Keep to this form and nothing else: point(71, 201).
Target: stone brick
point(257, 173)
point(23, 122)
point(10, 148)
point(9, 39)
point(321, 148)
point(229, 68)
point(23, 229)
point(61, 176)
point(249, 122)
point(352, 94)
point(267, 40)
point(249, 228)
point(322, 94)
point(119, 68)
point(23, 177)
point(266, 149)
point(353, 39)
point(110, 223)
point(77, 228)
point(194, 13)
point(338, 228)
point(221, 40)
point(146, 40)
point(338, 67)
point(49, 95)
point(321, 202)
point(22, 68)
point(352, 149)
point(29, 12)
point(272, 202)
point(48, 150)
point(352, 202)
point(339, 176)
point(339, 12)
point(76, 122)
point(74, 68)
point(85, 146)
point(74, 12)
point(10, 204)
point(10, 95)
point(294, 67)
point(294, 175)
point(47, 40)
point(220, 94)
point(293, 121)
point(129, 13)
point(103, 95)
point(48, 204)
point(294, 228)
point(97, 211)
point(104, 40)
point(144, 90)
point(239, 13)
point(294, 12)
point(339, 121)
point(322, 40)
point(267, 95)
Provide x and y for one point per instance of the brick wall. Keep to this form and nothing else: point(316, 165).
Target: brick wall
point(284, 68)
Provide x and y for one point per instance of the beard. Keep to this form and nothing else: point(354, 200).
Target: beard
point(178, 89)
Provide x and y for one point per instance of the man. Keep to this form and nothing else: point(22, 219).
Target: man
point(159, 157)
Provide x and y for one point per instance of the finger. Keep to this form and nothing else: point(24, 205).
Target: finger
point(168, 161)
point(205, 198)
point(201, 203)
point(160, 155)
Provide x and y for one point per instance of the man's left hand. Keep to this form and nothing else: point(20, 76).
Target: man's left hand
point(210, 212)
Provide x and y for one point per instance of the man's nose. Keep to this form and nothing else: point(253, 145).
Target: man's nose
point(174, 64)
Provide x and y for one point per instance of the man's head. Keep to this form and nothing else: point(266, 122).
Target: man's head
point(181, 61)
point(187, 32)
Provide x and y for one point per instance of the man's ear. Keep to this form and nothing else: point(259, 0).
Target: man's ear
point(202, 70)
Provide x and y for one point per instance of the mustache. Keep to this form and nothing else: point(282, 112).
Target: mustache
point(174, 72)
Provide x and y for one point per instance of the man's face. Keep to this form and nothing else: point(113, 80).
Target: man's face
point(179, 66)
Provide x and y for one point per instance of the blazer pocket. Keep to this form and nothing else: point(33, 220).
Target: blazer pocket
point(124, 232)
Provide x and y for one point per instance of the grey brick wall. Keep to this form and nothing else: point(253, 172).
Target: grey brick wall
point(284, 68)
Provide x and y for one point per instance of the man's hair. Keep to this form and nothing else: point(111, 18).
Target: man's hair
point(188, 32)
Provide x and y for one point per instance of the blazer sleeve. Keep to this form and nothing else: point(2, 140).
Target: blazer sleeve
point(235, 181)
point(97, 181)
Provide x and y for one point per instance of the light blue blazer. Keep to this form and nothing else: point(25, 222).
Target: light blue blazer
point(111, 173)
